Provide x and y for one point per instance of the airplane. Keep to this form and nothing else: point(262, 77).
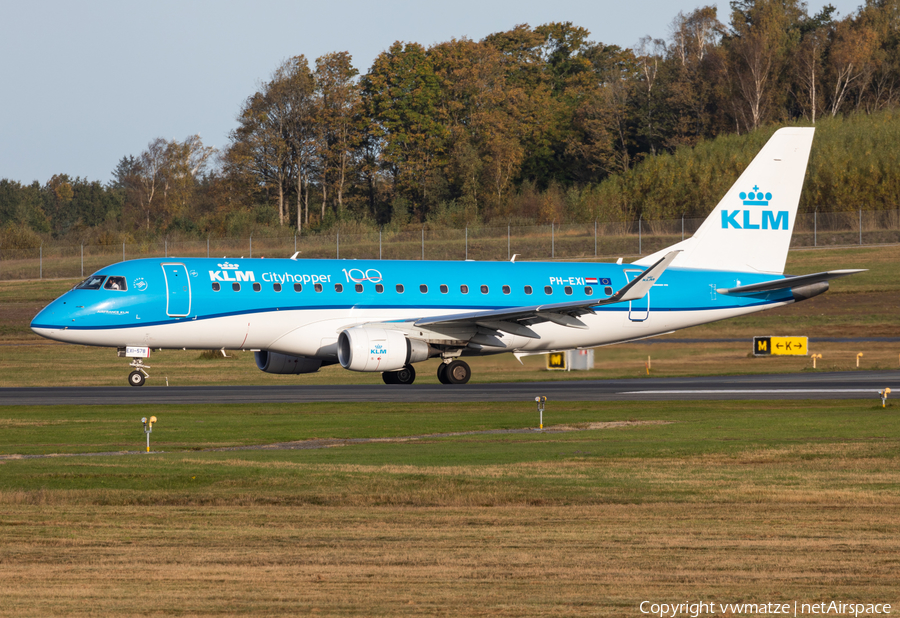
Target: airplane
point(384, 316)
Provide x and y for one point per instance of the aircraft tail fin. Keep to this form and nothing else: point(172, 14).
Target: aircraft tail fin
point(750, 229)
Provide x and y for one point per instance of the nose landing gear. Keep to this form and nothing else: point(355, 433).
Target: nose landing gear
point(139, 375)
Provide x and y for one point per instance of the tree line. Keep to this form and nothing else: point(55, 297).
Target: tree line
point(533, 124)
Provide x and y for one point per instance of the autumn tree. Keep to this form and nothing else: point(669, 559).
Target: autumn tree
point(602, 142)
point(763, 34)
point(850, 61)
point(400, 95)
point(22, 205)
point(163, 178)
point(260, 145)
point(337, 106)
point(292, 91)
point(692, 76)
point(482, 116)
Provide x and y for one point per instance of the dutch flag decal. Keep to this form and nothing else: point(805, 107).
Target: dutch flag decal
point(590, 280)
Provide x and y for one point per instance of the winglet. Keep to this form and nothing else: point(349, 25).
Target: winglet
point(641, 284)
point(294, 257)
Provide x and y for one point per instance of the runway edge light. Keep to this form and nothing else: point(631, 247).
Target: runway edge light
point(540, 406)
point(148, 428)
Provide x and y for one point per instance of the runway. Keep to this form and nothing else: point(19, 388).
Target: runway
point(835, 385)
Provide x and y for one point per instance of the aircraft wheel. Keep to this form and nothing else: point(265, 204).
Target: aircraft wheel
point(407, 375)
point(389, 377)
point(458, 372)
point(136, 378)
point(442, 374)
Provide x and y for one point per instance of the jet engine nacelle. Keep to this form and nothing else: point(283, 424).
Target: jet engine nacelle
point(364, 348)
point(273, 362)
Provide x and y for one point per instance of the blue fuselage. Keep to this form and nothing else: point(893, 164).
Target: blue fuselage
point(274, 303)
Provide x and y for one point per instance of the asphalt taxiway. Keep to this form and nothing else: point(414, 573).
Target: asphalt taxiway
point(826, 385)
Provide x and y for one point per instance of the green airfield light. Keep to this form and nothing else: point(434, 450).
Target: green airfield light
point(148, 428)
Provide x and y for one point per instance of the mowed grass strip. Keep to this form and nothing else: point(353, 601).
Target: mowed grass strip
point(729, 502)
point(725, 449)
point(599, 560)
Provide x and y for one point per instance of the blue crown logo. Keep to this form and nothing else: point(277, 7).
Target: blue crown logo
point(755, 197)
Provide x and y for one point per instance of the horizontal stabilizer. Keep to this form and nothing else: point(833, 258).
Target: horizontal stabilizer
point(789, 282)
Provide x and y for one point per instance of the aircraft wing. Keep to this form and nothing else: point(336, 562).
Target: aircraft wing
point(515, 320)
point(789, 282)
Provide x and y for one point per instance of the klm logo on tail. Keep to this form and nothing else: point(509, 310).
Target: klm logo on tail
point(755, 219)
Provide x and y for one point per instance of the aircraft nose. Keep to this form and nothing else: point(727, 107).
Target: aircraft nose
point(50, 319)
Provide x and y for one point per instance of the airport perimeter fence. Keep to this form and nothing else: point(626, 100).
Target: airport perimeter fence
point(598, 240)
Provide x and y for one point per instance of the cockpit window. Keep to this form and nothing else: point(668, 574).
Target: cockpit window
point(91, 283)
point(115, 283)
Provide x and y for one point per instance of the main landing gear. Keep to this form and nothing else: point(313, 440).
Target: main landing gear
point(137, 377)
point(454, 372)
point(407, 375)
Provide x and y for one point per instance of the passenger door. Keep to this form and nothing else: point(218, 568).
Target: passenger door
point(178, 290)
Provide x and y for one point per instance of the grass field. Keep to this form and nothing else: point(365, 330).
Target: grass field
point(731, 502)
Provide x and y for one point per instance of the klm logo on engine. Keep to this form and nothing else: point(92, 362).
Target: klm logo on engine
point(755, 218)
point(227, 271)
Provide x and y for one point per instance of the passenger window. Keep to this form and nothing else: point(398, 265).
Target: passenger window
point(588, 291)
point(528, 290)
point(276, 287)
point(116, 283)
point(484, 289)
point(379, 288)
point(91, 283)
point(607, 290)
point(298, 287)
point(338, 287)
point(423, 288)
point(399, 288)
point(216, 287)
point(257, 287)
point(444, 289)
point(236, 287)
point(318, 287)
point(464, 289)
point(548, 290)
point(359, 287)
point(569, 290)
point(506, 289)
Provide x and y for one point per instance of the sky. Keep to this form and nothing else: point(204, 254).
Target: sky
point(83, 84)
